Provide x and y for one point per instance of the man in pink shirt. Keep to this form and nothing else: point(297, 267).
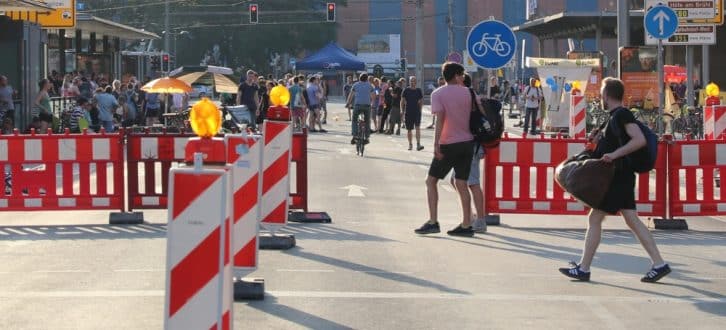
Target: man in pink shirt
point(453, 148)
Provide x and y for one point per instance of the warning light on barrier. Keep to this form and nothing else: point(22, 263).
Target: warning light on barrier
point(205, 118)
point(279, 96)
point(712, 90)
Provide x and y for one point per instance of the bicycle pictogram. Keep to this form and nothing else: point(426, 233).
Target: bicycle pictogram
point(495, 43)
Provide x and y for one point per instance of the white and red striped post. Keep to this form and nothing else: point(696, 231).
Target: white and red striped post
point(244, 160)
point(198, 269)
point(578, 117)
point(714, 122)
point(276, 174)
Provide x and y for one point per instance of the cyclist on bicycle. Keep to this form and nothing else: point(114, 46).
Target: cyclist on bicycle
point(361, 97)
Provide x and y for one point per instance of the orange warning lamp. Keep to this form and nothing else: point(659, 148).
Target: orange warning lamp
point(205, 119)
point(279, 97)
point(712, 95)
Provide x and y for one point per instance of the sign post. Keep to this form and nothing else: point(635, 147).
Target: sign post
point(661, 22)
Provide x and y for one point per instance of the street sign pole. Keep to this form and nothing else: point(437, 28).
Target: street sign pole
point(661, 83)
point(660, 22)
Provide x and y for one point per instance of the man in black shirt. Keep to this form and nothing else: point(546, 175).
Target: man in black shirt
point(411, 105)
point(247, 95)
point(395, 114)
point(621, 137)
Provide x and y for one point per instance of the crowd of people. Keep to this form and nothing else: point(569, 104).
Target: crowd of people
point(95, 103)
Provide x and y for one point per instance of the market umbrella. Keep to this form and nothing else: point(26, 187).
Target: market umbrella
point(215, 76)
point(167, 85)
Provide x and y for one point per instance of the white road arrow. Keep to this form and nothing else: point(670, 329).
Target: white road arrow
point(355, 191)
point(661, 17)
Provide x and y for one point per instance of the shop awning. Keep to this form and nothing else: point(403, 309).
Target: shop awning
point(89, 23)
point(579, 25)
point(23, 5)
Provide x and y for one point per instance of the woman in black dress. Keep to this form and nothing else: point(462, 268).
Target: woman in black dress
point(620, 138)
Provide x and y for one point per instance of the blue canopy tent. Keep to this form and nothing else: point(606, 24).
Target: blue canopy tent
point(331, 57)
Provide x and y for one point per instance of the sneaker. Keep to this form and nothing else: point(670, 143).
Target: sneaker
point(322, 131)
point(575, 272)
point(419, 147)
point(398, 131)
point(479, 226)
point(428, 228)
point(430, 126)
point(325, 122)
point(461, 231)
point(313, 130)
point(410, 147)
point(353, 141)
point(656, 274)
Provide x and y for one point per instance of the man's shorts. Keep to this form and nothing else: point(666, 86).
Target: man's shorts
point(457, 156)
point(474, 172)
point(413, 120)
point(314, 108)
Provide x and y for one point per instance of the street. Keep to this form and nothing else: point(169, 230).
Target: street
point(367, 269)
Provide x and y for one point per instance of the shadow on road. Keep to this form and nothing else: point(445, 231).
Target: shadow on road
point(303, 319)
point(322, 232)
point(78, 232)
point(298, 252)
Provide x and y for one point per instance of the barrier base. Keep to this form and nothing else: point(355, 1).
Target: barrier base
point(309, 217)
point(249, 289)
point(276, 242)
point(670, 224)
point(492, 220)
point(126, 218)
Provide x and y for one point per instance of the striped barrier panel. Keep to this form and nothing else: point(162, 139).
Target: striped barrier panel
point(62, 172)
point(714, 122)
point(519, 177)
point(694, 174)
point(578, 117)
point(276, 174)
point(198, 262)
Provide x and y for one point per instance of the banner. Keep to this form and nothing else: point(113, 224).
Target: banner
point(593, 85)
point(639, 73)
point(379, 48)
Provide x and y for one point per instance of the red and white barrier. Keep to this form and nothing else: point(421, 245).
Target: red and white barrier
point(42, 172)
point(244, 160)
point(519, 178)
point(693, 172)
point(578, 117)
point(198, 267)
point(714, 122)
point(276, 174)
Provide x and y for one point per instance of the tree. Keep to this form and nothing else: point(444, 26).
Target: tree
point(284, 27)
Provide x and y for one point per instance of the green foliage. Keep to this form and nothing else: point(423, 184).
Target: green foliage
point(284, 27)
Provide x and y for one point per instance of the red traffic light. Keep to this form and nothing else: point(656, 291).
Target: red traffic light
point(331, 12)
point(253, 8)
point(165, 58)
point(331, 6)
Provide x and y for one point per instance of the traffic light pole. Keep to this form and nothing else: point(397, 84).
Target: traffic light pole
point(166, 28)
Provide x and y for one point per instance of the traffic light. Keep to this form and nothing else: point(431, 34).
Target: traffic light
point(165, 62)
point(403, 65)
point(155, 63)
point(253, 13)
point(331, 11)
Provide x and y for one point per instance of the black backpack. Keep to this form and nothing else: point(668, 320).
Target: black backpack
point(487, 128)
point(642, 160)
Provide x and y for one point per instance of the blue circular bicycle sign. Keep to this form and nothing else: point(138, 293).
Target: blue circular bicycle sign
point(491, 44)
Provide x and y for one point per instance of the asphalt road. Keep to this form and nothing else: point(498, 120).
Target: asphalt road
point(368, 270)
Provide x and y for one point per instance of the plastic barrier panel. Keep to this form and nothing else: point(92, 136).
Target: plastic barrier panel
point(62, 172)
point(149, 158)
point(695, 187)
point(519, 177)
point(299, 195)
point(276, 174)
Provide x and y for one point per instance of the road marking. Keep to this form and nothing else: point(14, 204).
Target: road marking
point(150, 270)
point(82, 294)
point(490, 297)
point(306, 270)
point(62, 271)
point(88, 230)
point(68, 233)
point(3, 233)
point(139, 228)
point(124, 229)
point(15, 231)
point(355, 190)
point(106, 230)
point(34, 231)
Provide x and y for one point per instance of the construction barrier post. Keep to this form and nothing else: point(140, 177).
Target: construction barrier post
point(277, 136)
point(299, 198)
point(578, 117)
point(244, 160)
point(199, 267)
point(714, 122)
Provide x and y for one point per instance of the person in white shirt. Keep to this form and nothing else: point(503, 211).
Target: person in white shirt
point(533, 96)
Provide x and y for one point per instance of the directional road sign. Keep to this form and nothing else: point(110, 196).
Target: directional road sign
point(491, 44)
point(661, 22)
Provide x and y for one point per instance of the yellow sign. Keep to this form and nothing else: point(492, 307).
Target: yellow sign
point(718, 20)
point(63, 15)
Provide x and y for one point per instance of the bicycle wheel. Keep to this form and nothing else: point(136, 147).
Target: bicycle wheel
point(479, 49)
point(503, 49)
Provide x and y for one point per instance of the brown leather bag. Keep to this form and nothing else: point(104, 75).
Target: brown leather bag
point(587, 180)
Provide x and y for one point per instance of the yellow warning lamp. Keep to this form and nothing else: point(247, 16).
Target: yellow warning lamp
point(712, 90)
point(205, 118)
point(576, 84)
point(279, 96)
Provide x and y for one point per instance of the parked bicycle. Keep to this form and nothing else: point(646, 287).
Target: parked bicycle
point(596, 116)
point(660, 123)
point(689, 124)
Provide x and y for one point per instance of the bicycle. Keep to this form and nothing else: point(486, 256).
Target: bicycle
point(494, 43)
point(690, 123)
point(360, 141)
point(596, 116)
point(660, 123)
